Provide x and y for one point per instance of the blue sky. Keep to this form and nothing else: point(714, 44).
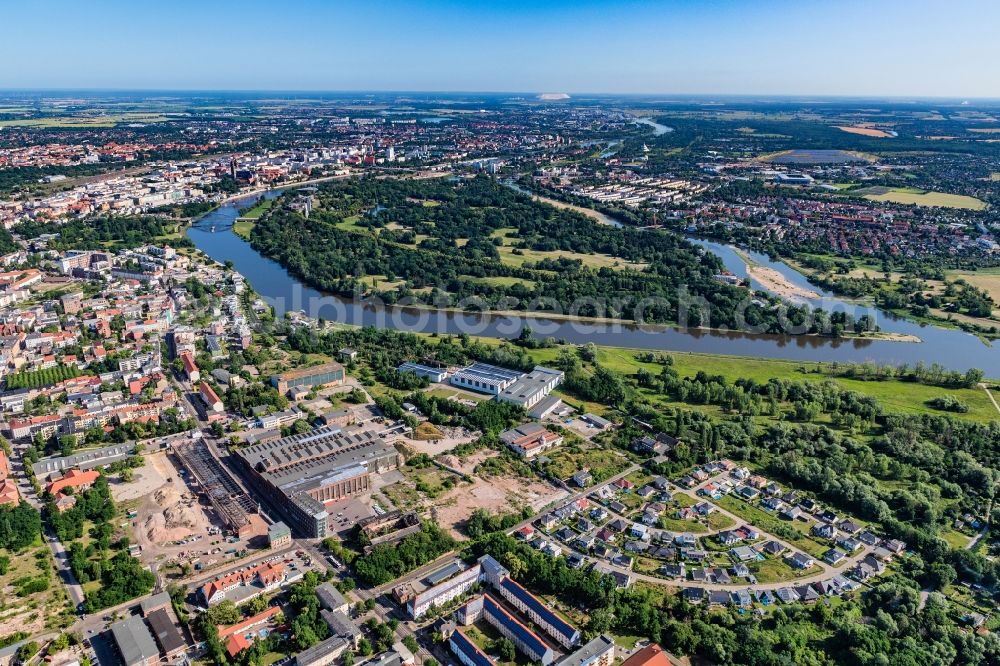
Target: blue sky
point(804, 47)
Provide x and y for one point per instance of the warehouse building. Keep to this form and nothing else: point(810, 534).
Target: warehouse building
point(528, 390)
point(304, 473)
point(135, 642)
point(434, 375)
point(484, 378)
point(316, 375)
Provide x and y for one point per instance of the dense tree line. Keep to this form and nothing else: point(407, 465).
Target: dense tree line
point(20, 526)
point(97, 233)
point(42, 378)
point(389, 561)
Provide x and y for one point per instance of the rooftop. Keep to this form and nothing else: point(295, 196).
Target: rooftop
point(134, 640)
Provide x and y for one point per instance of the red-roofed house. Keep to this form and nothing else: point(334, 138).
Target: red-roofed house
point(266, 576)
point(241, 635)
point(211, 398)
point(190, 367)
point(75, 479)
point(651, 655)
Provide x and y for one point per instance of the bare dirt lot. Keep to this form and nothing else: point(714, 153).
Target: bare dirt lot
point(168, 511)
point(147, 479)
point(435, 447)
point(180, 517)
point(498, 494)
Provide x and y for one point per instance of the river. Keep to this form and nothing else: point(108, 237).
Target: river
point(658, 129)
point(950, 348)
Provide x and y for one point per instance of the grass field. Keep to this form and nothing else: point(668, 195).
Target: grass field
point(603, 464)
point(955, 539)
point(922, 198)
point(508, 257)
point(773, 525)
point(259, 209)
point(447, 393)
point(34, 611)
point(501, 281)
point(775, 569)
point(894, 396)
point(242, 228)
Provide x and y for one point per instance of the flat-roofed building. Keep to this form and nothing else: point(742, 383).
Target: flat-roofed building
point(279, 535)
point(83, 460)
point(598, 652)
point(547, 405)
point(304, 473)
point(430, 373)
point(316, 375)
point(444, 591)
point(484, 378)
point(528, 390)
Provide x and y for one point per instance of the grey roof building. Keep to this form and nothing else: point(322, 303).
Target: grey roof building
point(166, 632)
point(149, 604)
point(330, 597)
point(83, 460)
point(135, 642)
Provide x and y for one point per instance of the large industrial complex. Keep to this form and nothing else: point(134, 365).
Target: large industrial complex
point(302, 474)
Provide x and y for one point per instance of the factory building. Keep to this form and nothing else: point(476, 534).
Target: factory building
point(304, 473)
point(316, 375)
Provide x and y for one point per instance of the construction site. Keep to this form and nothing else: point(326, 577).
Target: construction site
point(232, 504)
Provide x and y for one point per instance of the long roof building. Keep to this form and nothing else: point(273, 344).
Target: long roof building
point(303, 473)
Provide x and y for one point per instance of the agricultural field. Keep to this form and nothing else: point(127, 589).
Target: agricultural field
point(80, 122)
point(864, 131)
point(987, 279)
point(916, 197)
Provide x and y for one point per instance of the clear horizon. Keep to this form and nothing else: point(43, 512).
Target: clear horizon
point(890, 49)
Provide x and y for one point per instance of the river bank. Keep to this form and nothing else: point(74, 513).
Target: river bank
point(773, 281)
point(949, 348)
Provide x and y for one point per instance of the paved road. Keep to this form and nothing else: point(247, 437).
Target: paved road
point(73, 588)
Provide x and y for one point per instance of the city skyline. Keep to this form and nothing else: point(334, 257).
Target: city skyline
point(726, 47)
